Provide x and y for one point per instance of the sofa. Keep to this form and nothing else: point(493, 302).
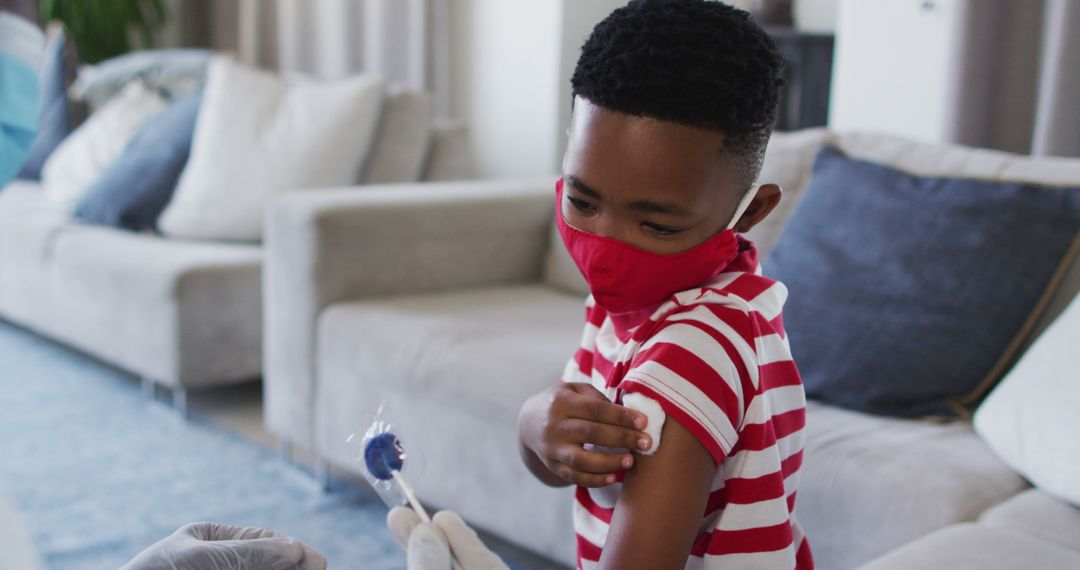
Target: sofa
point(177, 313)
point(447, 305)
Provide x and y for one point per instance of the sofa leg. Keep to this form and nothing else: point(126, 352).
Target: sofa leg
point(149, 388)
point(322, 474)
point(180, 402)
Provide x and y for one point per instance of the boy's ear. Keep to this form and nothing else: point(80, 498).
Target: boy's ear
point(767, 198)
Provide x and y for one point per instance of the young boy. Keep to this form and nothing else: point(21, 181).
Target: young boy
point(684, 359)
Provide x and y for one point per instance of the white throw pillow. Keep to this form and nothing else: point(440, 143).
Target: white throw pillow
point(79, 161)
point(1030, 420)
point(259, 135)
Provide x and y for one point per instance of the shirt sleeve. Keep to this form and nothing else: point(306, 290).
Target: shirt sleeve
point(699, 370)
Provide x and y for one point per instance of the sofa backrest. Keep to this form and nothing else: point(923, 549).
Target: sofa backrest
point(450, 154)
point(789, 162)
point(411, 145)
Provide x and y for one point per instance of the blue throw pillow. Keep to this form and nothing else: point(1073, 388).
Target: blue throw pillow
point(133, 191)
point(907, 293)
point(58, 114)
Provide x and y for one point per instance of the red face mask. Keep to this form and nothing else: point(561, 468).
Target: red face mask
point(626, 280)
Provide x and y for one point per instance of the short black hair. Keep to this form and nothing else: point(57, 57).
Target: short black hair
point(700, 63)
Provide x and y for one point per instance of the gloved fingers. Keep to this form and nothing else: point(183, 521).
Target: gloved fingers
point(213, 532)
point(401, 521)
point(427, 549)
point(465, 544)
point(313, 559)
point(207, 546)
point(282, 552)
point(276, 553)
point(226, 532)
point(197, 531)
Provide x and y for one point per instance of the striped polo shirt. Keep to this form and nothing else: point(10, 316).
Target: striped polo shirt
point(716, 359)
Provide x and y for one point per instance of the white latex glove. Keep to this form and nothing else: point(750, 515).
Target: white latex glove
point(210, 546)
point(428, 545)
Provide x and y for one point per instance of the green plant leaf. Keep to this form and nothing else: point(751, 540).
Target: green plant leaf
point(102, 29)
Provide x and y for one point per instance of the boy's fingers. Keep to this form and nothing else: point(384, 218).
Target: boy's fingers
point(593, 462)
point(596, 407)
point(605, 435)
point(584, 479)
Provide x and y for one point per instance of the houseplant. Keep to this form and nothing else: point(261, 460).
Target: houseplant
point(102, 29)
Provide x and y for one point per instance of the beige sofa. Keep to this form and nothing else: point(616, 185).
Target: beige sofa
point(180, 314)
point(453, 303)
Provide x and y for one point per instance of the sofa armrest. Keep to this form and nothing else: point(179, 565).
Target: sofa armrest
point(326, 246)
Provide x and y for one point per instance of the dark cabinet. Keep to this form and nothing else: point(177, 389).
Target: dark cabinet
point(804, 101)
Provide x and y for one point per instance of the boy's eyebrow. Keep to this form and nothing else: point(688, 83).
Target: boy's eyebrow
point(582, 187)
point(650, 206)
point(657, 207)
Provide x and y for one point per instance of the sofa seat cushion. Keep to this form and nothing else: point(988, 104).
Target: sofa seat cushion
point(870, 484)
point(453, 369)
point(976, 547)
point(1040, 515)
point(28, 224)
point(184, 313)
point(488, 349)
point(27, 221)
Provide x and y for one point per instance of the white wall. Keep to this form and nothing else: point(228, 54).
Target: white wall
point(511, 65)
point(505, 61)
point(894, 67)
point(816, 16)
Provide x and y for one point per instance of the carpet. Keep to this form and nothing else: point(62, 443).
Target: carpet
point(99, 473)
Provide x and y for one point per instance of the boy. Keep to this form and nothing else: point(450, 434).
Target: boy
point(684, 359)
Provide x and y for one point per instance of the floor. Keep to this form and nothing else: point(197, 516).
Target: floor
point(143, 468)
point(96, 473)
point(238, 409)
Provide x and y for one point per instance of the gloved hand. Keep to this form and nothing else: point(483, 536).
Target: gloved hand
point(428, 545)
point(209, 546)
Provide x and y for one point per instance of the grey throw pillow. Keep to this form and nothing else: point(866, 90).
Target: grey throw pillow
point(910, 296)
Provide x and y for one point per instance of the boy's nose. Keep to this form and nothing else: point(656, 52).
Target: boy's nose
point(607, 226)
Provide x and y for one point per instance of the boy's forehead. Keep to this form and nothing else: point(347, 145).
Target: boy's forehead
point(609, 149)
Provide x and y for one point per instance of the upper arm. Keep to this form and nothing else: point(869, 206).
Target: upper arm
point(662, 502)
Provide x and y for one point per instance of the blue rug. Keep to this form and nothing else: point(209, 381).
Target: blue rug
point(99, 474)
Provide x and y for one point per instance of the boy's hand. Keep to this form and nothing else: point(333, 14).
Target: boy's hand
point(555, 425)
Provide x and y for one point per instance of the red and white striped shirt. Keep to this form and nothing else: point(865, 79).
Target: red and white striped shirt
point(717, 360)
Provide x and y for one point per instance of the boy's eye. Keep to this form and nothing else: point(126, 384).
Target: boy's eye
point(663, 231)
point(581, 205)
